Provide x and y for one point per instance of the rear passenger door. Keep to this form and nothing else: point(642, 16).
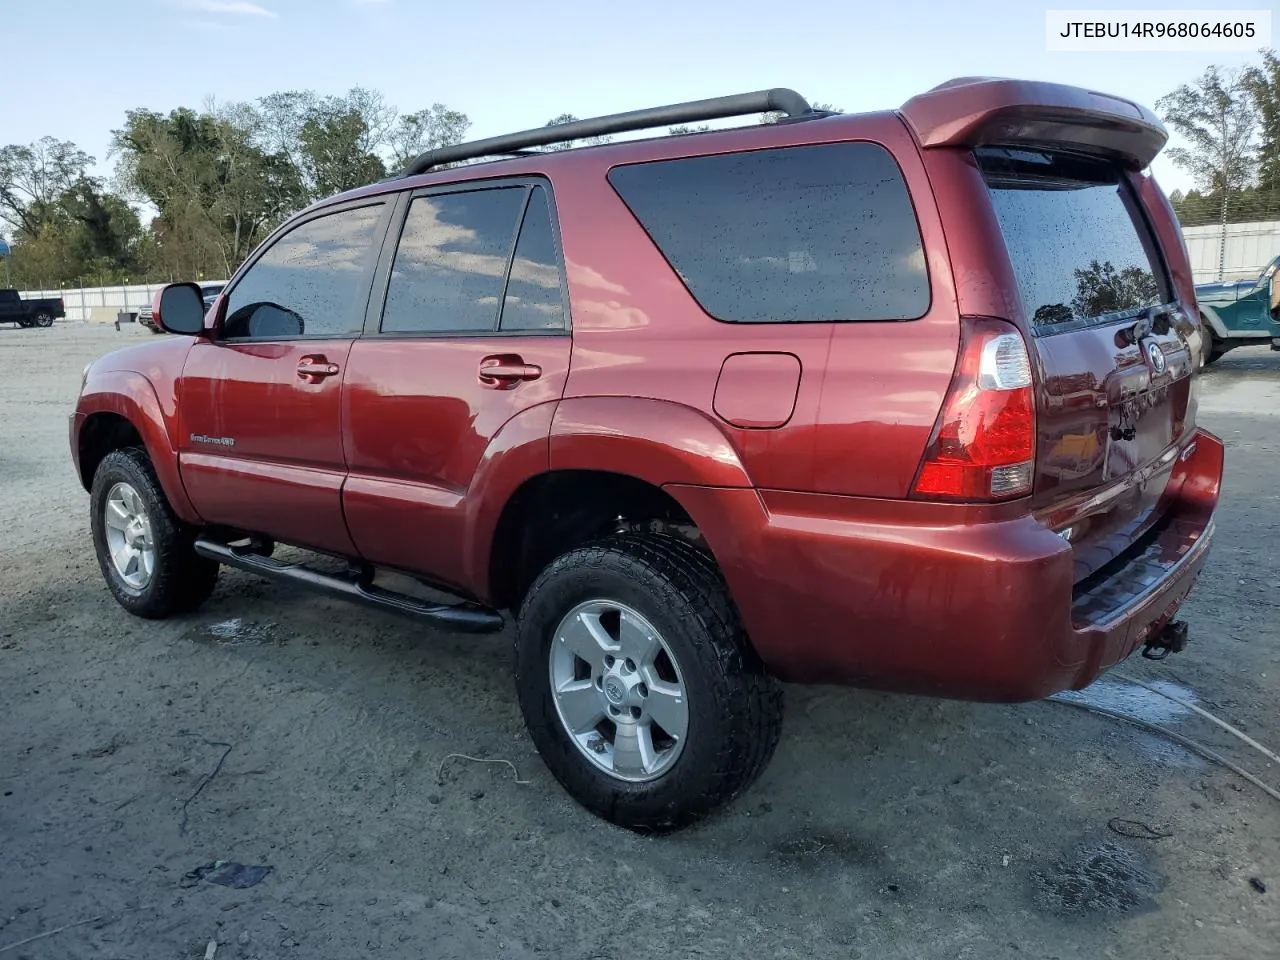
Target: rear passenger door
point(260, 441)
point(472, 334)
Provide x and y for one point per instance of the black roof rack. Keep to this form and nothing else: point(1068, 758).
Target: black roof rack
point(779, 100)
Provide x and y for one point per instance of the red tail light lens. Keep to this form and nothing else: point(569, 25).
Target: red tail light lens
point(983, 447)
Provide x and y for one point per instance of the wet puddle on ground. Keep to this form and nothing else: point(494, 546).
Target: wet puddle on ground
point(1143, 704)
point(1104, 877)
point(235, 632)
point(1135, 701)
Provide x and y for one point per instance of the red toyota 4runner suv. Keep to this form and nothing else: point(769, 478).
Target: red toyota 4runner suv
point(903, 400)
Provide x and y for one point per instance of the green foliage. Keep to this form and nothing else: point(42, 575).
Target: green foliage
point(336, 155)
point(1263, 84)
point(208, 178)
point(1102, 289)
point(1218, 118)
point(1250, 205)
point(215, 180)
point(429, 129)
point(33, 178)
point(1232, 124)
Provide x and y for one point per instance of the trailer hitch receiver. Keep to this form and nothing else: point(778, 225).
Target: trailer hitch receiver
point(1171, 638)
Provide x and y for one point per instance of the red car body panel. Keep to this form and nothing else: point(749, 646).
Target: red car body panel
point(870, 391)
point(920, 598)
point(417, 423)
point(794, 448)
point(138, 385)
point(283, 476)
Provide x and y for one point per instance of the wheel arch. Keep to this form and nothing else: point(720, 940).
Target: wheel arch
point(558, 510)
point(121, 408)
point(582, 463)
point(1210, 316)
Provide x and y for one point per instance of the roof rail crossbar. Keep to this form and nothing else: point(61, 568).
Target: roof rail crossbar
point(779, 100)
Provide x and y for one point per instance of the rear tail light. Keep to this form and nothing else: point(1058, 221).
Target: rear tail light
point(983, 446)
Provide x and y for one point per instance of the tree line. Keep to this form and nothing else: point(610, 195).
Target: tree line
point(1231, 122)
point(217, 180)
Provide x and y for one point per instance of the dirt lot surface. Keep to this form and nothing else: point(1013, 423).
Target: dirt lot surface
point(887, 827)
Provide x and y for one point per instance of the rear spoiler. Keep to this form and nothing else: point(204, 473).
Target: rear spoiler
point(988, 111)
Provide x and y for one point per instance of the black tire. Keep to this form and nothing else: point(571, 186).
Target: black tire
point(181, 579)
point(24, 324)
point(735, 708)
point(1212, 348)
point(43, 319)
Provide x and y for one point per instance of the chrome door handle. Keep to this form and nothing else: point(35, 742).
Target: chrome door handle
point(506, 371)
point(315, 369)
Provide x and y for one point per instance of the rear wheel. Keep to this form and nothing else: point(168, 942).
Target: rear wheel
point(145, 552)
point(43, 319)
point(638, 684)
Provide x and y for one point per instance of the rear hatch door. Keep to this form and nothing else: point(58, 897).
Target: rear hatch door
point(1115, 398)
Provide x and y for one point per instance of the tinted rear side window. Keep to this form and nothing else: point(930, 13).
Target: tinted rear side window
point(1080, 249)
point(533, 300)
point(815, 233)
point(452, 259)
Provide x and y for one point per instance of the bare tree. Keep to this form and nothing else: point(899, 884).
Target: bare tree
point(580, 142)
point(437, 126)
point(33, 177)
point(1218, 118)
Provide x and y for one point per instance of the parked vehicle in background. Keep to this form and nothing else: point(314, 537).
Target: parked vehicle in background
point(208, 293)
point(1242, 313)
point(903, 399)
point(30, 313)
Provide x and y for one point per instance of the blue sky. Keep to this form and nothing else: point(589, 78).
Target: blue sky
point(73, 67)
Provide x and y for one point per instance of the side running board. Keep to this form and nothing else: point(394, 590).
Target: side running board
point(461, 617)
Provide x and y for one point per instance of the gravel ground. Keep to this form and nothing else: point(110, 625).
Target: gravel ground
point(887, 827)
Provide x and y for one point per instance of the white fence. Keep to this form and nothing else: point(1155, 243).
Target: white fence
point(101, 304)
point(1250, 247)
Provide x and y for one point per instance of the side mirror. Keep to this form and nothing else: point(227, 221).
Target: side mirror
point(179, 308)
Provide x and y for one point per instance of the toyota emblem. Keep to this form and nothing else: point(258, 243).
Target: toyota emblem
point(1156, 356)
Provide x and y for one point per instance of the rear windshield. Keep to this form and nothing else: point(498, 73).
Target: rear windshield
point(1080, 249)
point(792, 234)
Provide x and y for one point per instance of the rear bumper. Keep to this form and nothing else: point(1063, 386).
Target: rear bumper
point(947, 601)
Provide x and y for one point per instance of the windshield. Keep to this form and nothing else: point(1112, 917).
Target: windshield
point(1079, 247)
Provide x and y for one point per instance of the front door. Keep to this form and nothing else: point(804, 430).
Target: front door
point(259, 404)
point(472, 342)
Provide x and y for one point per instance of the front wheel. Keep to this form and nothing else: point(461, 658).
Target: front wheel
point(638, 684)
point(145, 552)
point(43, 319)
point(1212, 349)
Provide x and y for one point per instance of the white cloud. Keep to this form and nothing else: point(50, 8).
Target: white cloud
point(232, 7)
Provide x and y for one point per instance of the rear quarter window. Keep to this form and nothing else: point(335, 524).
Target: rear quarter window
point(788, 235)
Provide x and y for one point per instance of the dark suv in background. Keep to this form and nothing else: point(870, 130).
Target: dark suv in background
point(905, 399)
